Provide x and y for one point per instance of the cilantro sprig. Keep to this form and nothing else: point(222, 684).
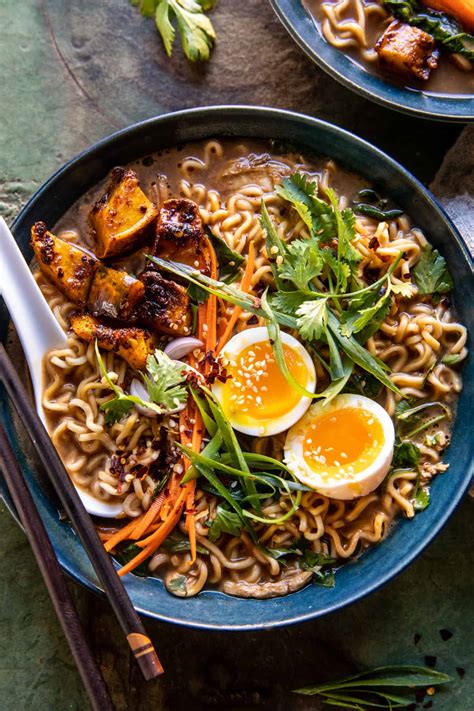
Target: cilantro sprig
point(431, 274)
point(195, 28)
point(163, 381)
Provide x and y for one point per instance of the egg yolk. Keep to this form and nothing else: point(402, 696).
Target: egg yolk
point(344, 441)
point(257, 389)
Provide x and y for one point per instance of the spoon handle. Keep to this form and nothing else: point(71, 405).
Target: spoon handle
point(35, 323)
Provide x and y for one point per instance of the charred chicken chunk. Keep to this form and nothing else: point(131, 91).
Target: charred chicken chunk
point(180, 235)
point(65, 265)
point(407, 50)
point(121, 216)
point(114, 293)
point(165, 307)
point(133, 344)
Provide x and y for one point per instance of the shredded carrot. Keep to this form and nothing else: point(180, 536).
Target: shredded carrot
point(164, 513)
point(167, 526)
point(244, 286)
point(123, 533)
point(149, 518)
point(151, 543)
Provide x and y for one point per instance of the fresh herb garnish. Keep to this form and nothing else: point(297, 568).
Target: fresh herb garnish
point(228, 259)
point(164, 383)
point(406, 455)
point(225, 521)
point(431, 273)
point(374, 688)
point(177, 584)
point(194, 27)
point(175, 543)
point(445, 29)
point(126, 553)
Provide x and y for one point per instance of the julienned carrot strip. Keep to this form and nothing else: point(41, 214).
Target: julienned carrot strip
point(167, 526)
point(148, 518)
point(244, 286)
point(122, 534)
point(151, 543)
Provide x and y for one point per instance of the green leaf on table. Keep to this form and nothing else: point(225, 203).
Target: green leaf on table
point(194, 27)
point(431, 274)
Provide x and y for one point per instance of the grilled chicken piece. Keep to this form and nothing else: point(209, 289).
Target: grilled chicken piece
point(407, 50)
point(133, 344)
point(114, 294)
point(165, 307)
point(120, 217)
point(180, 235)
point(68, 267)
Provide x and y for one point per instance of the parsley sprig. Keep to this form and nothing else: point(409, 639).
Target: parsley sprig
point(164, 382)
point(195, 28)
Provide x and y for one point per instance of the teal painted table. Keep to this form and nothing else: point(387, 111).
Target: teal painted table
point(71, 73)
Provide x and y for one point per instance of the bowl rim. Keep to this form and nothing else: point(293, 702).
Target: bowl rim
point(259, 114)
point(435, 107)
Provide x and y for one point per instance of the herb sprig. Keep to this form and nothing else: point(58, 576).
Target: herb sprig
point(381, 687)
point(195, 28)
point(164, 383)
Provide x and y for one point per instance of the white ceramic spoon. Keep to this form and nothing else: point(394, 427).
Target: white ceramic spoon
point(38, 331)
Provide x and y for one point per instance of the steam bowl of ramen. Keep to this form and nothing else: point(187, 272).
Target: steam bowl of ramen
point(416, 56)
point(266, 369)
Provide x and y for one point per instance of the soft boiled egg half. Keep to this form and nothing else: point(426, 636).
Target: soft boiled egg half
point(256, 398)
point(342, 449)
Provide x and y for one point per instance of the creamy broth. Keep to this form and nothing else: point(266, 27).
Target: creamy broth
point(453, 75)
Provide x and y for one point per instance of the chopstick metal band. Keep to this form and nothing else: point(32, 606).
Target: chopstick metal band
point(116, 593)
point(53, 577)
point(142, 647)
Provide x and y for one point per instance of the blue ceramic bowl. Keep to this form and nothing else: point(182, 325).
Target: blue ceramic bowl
point(213, 609)
point(300, 25)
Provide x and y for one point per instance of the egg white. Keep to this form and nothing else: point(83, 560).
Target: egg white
point(274, 425)
point(350, 485)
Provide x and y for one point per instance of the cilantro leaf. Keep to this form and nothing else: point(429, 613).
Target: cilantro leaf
point(164, 381)
point(195, 29)
point(164, 385)
point(225, 521)
point(177, 584)
point(287, 301)
point(312, 319)
point(355, 319)
point(116, 408)
point(317, 215)
point(165, 26)
point(406, 455)
point(302, 263)
point(431, 274)
point(421, 499)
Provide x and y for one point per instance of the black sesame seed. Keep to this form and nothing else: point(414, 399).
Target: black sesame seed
point(430, 661)
point(416, 637)
point(460, 672)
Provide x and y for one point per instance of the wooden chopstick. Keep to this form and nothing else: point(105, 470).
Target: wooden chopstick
point(53, 577)
point(140, 644)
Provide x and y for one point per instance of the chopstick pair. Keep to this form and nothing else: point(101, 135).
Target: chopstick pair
point(53, 577)
point(139, 643)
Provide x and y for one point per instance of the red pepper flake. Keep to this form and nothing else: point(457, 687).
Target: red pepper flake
point(374, 243)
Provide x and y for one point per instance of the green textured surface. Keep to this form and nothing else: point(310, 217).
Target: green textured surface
point(71, 73)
